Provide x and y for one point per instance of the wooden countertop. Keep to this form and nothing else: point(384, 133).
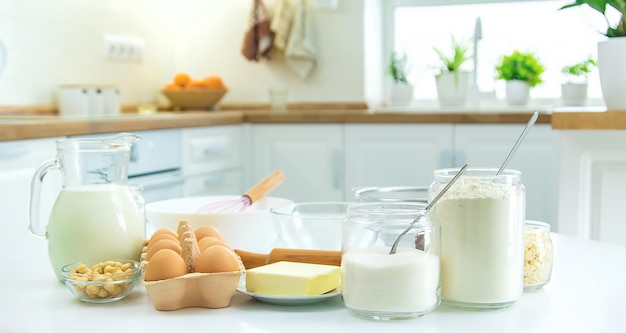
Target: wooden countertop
point(30, 122)
point(31, 127)
point(588, 119)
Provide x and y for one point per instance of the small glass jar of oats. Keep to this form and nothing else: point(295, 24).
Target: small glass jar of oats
point(538, 255)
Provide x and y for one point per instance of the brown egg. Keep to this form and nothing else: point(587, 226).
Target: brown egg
point(165, 264)
point(209, 241)
point(216, 259)
point(167, 231)
point(156, 238)
point(208, 230)
point(165, 243)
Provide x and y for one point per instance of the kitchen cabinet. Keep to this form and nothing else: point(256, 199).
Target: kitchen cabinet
point(309, 155)
point(407, 154)
point(18, 162)
point(325, 162)
point(395, 154)
point(592, 190)
point(212, 160)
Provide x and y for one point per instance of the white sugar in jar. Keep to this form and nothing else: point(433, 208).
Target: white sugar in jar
point(481, 219)
point(382, 286)
point(405, 282)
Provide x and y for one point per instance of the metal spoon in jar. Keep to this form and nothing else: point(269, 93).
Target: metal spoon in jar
point(394, 247)
point(529, 125)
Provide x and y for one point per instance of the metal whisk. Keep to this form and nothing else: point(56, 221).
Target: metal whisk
point(251, 196)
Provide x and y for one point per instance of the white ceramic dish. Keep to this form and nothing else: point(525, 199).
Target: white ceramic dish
point(285, 300)
point(250, 230)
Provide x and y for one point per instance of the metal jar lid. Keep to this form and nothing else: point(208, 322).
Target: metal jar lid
point(391, 194)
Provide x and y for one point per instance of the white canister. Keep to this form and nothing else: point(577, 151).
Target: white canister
point(88, 100)
point(73, 101)
point(481, 220)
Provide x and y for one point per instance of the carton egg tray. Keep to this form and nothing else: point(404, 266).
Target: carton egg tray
point(206, 290)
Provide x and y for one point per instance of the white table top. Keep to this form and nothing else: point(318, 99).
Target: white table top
point(587, 294)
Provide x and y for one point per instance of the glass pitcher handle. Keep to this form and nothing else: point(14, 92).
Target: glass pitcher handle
point(35, 225)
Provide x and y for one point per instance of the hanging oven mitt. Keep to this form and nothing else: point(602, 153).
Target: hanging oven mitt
point(257, 41)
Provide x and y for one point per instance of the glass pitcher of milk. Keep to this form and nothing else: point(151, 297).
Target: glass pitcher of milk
point(96, 216)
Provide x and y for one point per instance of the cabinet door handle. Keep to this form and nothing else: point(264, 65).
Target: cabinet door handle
point(212, 151)
point(336, 168)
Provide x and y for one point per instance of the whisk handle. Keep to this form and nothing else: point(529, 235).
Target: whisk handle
point(263, 187)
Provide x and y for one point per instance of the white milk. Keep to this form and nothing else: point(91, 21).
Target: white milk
point(373, 280)
point(482, 245)
point(94, 222)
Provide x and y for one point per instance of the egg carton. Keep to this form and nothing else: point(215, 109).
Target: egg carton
point(206, 290)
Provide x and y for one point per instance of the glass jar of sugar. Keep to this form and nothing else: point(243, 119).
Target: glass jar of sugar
point(481, 219)
point(382, 286)
point(537, 255)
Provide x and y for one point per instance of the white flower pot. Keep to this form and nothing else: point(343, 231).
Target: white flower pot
point(401, 94)
point(574, 94)
point(612, 72)
point(452, 89)
point(517, 92)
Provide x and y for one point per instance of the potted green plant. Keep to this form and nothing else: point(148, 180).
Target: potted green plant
point(574, 87)
point(452, 82)
point(611, 51)
point(401, 88)
point(521, 71)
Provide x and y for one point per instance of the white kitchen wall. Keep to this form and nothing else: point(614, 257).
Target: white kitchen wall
point(209, 38)
point(60, 42)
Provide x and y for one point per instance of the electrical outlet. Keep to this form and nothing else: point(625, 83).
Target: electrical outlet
point(123, 48)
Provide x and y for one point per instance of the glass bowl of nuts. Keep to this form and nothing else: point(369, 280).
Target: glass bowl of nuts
point(102, 282)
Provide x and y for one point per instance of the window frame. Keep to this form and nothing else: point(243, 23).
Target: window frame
point(487, 101)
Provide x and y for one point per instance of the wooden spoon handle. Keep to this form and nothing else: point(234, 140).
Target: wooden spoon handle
point(307, 256)
point(263, 187)
point(251, 259)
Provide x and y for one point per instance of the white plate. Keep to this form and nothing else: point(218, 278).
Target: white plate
point(285, 300)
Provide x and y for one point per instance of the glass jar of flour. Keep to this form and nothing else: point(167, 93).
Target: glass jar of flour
point(382, 286)
point(481, 219)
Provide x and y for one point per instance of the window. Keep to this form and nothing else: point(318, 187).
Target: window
point(557, 37)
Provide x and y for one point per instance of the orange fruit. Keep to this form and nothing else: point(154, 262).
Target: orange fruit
point(214, 82)
point(171, 86)
point(182, 79)
point(196, 84)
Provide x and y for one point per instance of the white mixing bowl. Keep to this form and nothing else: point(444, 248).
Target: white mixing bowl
point(250, 230)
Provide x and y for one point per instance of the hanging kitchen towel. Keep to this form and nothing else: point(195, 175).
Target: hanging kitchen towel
point(300, 52)
point(257, 41)
point(282, 20)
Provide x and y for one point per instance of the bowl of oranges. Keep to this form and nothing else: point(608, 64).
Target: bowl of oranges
point(187, 93)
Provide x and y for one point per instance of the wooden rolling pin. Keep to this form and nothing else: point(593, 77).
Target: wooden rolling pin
point(251, 259)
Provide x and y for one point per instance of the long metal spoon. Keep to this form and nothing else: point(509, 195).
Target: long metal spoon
point(394, 247)
point(529, 125)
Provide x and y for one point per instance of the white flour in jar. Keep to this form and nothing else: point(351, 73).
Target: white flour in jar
point(482, 246)
point(374, 280)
